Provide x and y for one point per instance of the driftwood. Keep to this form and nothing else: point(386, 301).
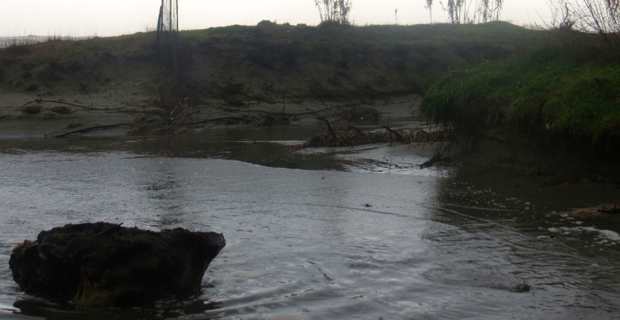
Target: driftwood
point(330, 129)
point(357, 130)
point(397, 134)
point(219, 119)
point(89, 129)
point(437, 158)
point(81, 106)
point(40, 100)
point(593, 212)
point(278, 114)
point(611, 209)
point(353, 136)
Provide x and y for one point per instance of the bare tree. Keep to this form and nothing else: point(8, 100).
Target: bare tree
point(334, 11)
point(602, 16)
point(563, 16)
point(472, 11)
point(499, 6)
point(454, 8)
point(429, 7)
point(458, 11)
point(489, 10)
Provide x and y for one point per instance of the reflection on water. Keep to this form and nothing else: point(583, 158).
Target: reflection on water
point(312, 244)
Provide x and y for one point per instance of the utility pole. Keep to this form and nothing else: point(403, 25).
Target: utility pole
point(167, 32)
point(168, 38)
point(168, 21)
point(175, 105)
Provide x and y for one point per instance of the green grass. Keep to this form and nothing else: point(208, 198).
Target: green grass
point(564, 90)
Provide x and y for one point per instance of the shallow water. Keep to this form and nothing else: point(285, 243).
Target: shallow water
point(364, 235)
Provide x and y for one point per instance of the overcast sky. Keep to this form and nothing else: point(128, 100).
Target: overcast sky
point(112, 17)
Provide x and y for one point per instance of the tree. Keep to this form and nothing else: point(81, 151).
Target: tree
point(471, 11)
point(334, 11)
point(602, 16)
point(456, 10)
point(563, 17)
point(490, 10)
point(429, 7)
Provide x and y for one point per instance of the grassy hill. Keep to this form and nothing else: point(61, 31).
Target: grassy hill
point(267, 61)
point(523, 87)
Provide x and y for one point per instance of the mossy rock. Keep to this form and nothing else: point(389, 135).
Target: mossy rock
point(106, 265)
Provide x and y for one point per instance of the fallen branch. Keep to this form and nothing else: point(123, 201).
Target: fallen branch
point(438, 157)
point(615, 209)
point(358, 130)
point(277, 114)
point(330, 129)
point(398, 135)
point(40, 100)
point(90, 129)
point(81, 106)
point(240, 119)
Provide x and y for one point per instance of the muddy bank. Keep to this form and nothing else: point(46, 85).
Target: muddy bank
point(518, 165)
point(319, 123)
point(29, 116)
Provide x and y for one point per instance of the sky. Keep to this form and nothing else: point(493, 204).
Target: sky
point(114, 17)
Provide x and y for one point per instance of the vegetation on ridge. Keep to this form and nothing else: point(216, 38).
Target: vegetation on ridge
point(562, 90)
point(269, 60)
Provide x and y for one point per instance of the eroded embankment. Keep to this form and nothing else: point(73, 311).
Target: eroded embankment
point(555, 111)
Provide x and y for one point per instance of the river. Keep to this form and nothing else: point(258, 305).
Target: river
point(344, 234)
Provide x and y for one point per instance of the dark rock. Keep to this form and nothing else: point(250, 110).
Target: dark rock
point(104, 264)
point(521, 288)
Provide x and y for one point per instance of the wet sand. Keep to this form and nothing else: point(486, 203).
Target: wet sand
point(58, 114)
